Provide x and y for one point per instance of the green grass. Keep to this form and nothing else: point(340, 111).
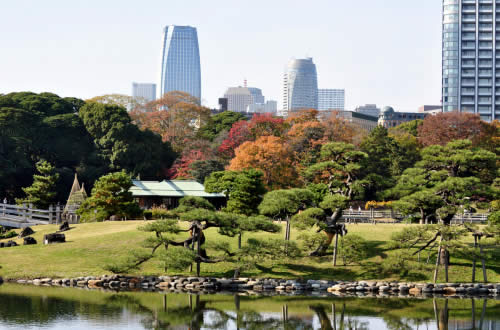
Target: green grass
point(90, 247)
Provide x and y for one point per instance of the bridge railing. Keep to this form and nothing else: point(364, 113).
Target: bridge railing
point(28, 214)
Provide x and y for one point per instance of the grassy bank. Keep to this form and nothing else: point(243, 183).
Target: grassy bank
point(90, 247)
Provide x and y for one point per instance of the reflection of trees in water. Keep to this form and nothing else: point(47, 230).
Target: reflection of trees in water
point(43, 309)
point(196, 312)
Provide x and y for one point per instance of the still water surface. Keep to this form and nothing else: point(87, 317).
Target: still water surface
point(29, 307)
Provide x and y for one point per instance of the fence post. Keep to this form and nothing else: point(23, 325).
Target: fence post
point(58, 214)
point(30, 212)
point(51, 213)
point(23, 212)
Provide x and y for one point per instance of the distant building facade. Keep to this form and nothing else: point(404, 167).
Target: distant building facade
point(223, 104)
point(180, 61)
point(145, 92)
point(331, 99)
point(368, 109)
point(363, 121)
point(268, 107)
point(430, 109)
point(238, 98)
point(390, 118)
point(300, 86)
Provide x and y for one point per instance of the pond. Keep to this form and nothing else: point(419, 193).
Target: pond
point(31, 307)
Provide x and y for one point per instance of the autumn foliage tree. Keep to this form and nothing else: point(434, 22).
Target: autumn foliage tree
point(176, 116)
point(448, 126)
point(270, 155)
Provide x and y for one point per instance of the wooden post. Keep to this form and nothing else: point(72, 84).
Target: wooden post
point(335, 249)
point(23, 212)
point(58, 214)
point(51, 213)
point(30, 212)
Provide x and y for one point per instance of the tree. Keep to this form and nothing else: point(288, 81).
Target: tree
point(340, 169)
point(269, 155)
point(124, 101)
point(448, 126)
point(176, 116)
point(388, 157)
point(123, 145)
point(218, 123)
point(244, 189)
point(42, 192)
point(110, 197)
point(201, 169)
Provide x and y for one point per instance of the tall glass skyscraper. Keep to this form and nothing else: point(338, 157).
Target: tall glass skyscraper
point(180, 61)
point(471, 74)
point(300, 86)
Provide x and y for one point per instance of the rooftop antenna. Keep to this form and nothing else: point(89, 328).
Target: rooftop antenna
point(245, 83)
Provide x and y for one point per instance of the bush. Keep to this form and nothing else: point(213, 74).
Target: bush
point(10, 234)
point(494, 218)
point(353, 249)
point(148, 215)
point(159, 213)
point(483, 205)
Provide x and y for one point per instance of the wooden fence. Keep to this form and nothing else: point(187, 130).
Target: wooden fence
point(20, 216)
point(390, 216)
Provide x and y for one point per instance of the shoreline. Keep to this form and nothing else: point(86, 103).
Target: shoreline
point(207, 285)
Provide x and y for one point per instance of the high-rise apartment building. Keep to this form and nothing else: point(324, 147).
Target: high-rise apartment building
point(331, 99)
point(300, 86)
point(146, 92)
point(471, 72)
point(268, 107)
point(180, 61)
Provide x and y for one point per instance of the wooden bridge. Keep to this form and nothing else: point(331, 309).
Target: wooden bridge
point(21, 216)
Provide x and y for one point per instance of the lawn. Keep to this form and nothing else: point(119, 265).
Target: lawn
point(91, 246)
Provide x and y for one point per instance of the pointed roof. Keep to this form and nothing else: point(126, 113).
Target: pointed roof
point(76, 186)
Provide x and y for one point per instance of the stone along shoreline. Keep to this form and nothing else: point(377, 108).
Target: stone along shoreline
point(272, 286)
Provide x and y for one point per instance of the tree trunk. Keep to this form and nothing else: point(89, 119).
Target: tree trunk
point(239, 241)
point(437, 260)
point(198, 262)
point(444, 257)
point(335, 249)
point(485, 276)
point(444, 317)
point(422, 216)
point(474, 261)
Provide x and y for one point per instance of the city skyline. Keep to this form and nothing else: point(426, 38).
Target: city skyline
point(396, 61)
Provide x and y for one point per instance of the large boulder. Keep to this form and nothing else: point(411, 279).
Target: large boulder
point(54, 238)
point(26, 232)
point(29, 241)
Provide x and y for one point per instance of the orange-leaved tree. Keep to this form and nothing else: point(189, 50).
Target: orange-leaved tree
point(270, 155)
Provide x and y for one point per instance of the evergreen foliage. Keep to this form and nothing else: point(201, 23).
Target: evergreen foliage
point(42, 193)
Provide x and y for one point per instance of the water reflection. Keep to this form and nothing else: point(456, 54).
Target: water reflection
point(52, 308)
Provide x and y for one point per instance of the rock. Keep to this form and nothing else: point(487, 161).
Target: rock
point(54, 238)
point(95, 283)
point(384, 288)
point(1, 280)
point(11, 244)
point(19, 281)
point(26, 232)
point(163, 285)
point(450, 290)
point(415, 291)
point(64, 227)
point(29, 241)
point(81, 283)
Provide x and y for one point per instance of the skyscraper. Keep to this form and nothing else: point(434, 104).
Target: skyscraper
point(300, 86)
point(180, 61)
point(471, 75)
point(147, 92)
point(331, 99)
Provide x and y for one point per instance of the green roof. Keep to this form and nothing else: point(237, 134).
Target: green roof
point(170, 188)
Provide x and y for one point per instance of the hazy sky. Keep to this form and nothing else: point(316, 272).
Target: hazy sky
point(381, 51)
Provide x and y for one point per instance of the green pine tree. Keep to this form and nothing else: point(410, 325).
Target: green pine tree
point(42, 193)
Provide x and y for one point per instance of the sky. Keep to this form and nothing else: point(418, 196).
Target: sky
point(386, 52)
